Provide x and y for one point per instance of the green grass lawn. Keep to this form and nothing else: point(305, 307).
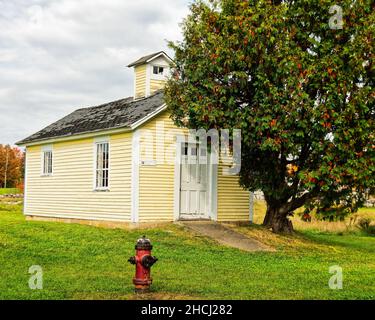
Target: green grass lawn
point(6, 191)
point(83, 262)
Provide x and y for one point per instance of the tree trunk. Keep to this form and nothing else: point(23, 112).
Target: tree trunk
point(277, 221)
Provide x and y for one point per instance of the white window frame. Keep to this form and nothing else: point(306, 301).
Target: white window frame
point(159, 76)
point(44, 170)
point(159, 67)
point(101, 141)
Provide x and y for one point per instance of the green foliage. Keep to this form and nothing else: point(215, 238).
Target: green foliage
point(302, 93)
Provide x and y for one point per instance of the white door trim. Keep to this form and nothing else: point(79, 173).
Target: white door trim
point(177, 177)
point(25, 188)
point(213, 172)
point(135, 176)
point(211, 187)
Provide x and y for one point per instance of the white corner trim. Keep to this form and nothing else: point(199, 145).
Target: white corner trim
point(135, 177)
point(135, 85)
point(214, 169)
point(148, 117)
point(177, 177)
point(25, 185)
point(251, 205)
point(148, 80)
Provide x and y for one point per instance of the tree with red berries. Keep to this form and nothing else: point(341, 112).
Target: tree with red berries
point(297, 77)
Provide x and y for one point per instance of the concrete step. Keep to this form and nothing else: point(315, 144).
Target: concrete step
point(225, 236)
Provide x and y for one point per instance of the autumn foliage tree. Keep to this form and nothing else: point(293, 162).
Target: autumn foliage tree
point(11, 166)
point(300, 86)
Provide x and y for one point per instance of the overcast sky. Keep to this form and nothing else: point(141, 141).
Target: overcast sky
point(60, 55)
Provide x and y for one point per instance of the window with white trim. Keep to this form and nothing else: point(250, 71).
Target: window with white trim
point(47, 158)
point(102, 166)
point(157, 70)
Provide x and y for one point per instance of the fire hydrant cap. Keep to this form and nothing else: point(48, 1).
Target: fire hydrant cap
point(143, 244)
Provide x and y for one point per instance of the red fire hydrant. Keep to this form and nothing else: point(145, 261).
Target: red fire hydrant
point(143, 262)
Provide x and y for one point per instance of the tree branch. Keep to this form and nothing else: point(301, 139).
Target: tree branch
point(297, 203)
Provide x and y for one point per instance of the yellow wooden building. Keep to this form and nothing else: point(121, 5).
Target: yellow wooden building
point(121, 162)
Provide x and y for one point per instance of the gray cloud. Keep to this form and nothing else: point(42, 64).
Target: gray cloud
point(59, 55)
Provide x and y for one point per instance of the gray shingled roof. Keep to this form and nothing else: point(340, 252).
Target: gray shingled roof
point(117, 114)
point(146, 58)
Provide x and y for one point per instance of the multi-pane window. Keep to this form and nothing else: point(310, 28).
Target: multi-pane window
point(102, 165)
point(47, 162)
point(158, 70)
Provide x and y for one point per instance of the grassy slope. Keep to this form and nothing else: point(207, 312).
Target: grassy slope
point(349, 225)
point(84, 262)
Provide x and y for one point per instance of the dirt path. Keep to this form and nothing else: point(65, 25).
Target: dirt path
point(225, 236)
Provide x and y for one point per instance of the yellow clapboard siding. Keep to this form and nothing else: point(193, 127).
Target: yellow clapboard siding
point(156, 85)
point(156, 183)
point(140, 81)
point(233, 202)
point(69, 192)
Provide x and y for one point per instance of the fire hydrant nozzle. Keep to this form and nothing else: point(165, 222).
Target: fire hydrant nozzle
point(143, 262)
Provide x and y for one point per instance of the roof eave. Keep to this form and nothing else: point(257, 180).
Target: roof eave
point(160, 54)
point(138, 63)
point(150, 116)
point(81, 135)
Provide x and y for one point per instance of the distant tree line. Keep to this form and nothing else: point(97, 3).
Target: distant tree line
point(12, 163)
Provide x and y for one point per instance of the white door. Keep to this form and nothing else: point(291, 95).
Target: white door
point(194, 182)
